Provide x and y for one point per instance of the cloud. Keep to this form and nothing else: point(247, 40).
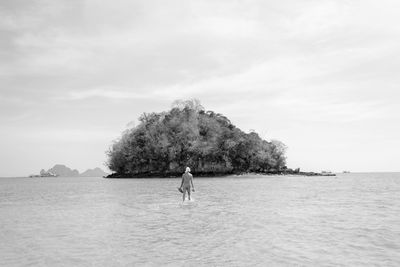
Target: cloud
point(265, 64)
point(103, 93)
point(69, 135)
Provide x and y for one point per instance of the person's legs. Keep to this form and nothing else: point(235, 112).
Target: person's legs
point(188, 190)
point(184, 194)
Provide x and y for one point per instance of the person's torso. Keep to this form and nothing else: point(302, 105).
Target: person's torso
point(186, 179)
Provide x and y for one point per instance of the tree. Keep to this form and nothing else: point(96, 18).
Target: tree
point(187, 135)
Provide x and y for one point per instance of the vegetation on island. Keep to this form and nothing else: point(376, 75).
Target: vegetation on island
point(164, 143)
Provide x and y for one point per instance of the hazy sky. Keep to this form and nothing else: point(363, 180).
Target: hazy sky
point(321, 76)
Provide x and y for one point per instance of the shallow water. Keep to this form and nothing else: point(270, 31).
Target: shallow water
point(349, 220)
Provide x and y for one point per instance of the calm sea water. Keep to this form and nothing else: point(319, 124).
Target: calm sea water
point(348, 220)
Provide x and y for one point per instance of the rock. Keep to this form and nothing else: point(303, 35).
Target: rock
point(63, 171)
point(96, 172)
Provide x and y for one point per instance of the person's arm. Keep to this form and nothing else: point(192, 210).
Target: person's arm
point(182, 182)
point(191, 180)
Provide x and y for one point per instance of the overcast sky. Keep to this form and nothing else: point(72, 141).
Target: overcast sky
point(321, 76)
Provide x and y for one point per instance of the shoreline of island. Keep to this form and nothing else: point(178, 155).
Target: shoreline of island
point(149, 175)
point(164, 143)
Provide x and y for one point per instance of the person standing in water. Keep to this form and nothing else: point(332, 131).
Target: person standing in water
point(187, 180)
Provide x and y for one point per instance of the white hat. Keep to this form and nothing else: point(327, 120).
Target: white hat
point(187, 169)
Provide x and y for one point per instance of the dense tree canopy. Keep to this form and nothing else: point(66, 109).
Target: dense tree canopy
point(187, 135)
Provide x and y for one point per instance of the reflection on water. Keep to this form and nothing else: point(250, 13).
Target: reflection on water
point(352, 219)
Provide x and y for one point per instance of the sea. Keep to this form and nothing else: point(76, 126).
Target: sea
point(351, 219)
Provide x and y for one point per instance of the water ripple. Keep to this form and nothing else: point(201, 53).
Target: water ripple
point(351, 220)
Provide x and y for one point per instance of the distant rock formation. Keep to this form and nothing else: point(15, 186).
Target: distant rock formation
point(44, 173)
point(96, 172)
point(62, 170)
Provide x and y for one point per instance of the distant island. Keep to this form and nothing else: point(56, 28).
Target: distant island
point(64, 171)
point(164, 143)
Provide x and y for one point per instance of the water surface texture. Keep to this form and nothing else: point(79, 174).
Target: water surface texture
point(348, 220)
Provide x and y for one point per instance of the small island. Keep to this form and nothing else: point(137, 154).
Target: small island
point(162, 144)
point(60, 170)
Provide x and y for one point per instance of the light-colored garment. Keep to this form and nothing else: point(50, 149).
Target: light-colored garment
point(187, 178)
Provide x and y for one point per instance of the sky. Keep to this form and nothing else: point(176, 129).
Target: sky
point(321, 76)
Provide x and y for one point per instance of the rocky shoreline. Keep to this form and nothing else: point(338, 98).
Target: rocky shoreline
point(145, 175)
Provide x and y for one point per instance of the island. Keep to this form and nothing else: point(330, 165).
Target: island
point(164, 143)
point(43, 173)
point(60, 170)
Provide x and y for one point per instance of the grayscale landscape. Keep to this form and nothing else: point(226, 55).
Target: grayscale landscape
point(199, 133)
